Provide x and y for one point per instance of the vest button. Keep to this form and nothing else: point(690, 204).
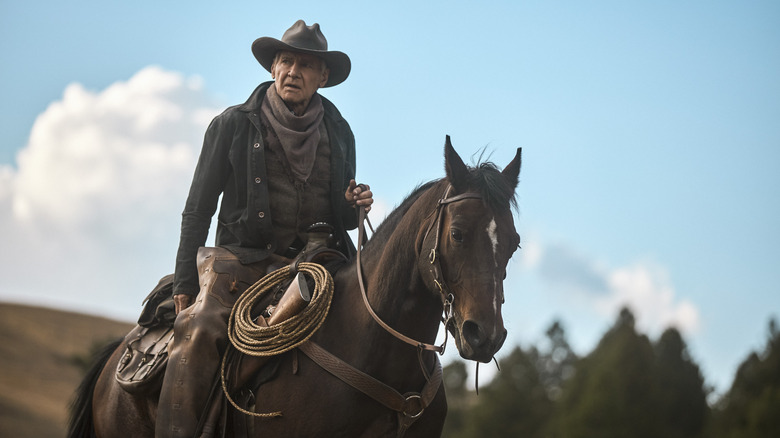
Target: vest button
point(258, 180)
point(256, 145)
point(261, 215)
point(268, 246)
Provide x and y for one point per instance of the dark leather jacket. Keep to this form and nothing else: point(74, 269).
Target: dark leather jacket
point(232, 164)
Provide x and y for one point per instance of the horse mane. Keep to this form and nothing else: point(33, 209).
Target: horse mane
point(391, 221)
point(484, 178)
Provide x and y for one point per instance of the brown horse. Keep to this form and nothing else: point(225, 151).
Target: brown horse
point(443, 250)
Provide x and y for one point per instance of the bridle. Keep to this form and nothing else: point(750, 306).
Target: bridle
point(435, 270)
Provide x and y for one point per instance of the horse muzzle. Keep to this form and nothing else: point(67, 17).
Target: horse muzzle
point(476, 343)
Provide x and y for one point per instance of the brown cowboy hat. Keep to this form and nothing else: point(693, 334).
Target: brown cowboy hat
point(305, 39)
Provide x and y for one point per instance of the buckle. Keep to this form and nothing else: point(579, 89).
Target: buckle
point(413, 402)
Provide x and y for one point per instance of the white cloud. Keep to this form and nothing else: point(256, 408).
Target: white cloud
point(104, 157)
point(644, 287)
point(648, 289)
point(530, 254)
point(93, 207)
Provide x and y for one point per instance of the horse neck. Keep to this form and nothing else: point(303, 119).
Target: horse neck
point(390, 267)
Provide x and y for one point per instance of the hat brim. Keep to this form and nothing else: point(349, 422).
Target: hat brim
point(265, 49)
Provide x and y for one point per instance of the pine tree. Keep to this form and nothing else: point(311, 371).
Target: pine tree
point(520, 399)
point(514, 403)
point(681, 397)
point(556, 362)
point(611, 393)
point(751, 408)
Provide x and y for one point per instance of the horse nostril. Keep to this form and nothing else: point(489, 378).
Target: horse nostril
point(473, 334)
point(503, 338)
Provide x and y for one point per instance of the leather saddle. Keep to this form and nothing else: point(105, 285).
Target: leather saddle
point(146, 354)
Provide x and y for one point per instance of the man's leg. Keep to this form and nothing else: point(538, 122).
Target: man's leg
point(200, 338)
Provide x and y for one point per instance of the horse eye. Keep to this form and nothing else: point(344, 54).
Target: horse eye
point(456, 235)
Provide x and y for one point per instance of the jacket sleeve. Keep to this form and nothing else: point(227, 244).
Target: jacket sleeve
point(211, 174)
point(348, 212)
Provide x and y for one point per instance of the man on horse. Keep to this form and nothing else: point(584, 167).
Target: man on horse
point(281, 161)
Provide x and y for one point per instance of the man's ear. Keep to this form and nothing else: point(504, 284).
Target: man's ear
point(325, 76)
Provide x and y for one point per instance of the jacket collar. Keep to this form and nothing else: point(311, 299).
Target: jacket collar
point(256, 98)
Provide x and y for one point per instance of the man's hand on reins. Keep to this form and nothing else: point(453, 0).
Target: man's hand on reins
point(182, 301)
point(359, 195)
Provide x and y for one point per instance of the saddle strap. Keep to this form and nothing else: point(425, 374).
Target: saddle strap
point(409, 406)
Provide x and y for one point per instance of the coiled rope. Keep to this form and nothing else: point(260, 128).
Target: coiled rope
point(253, 339)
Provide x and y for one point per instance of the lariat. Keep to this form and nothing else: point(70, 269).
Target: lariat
point(254, 339)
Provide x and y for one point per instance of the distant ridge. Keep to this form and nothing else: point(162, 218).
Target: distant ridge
point(40, 350)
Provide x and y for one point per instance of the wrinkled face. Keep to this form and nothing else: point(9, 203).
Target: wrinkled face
point(476, 245)
point(297, 77)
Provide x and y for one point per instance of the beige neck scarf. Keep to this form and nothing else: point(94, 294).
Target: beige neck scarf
point(298, 135)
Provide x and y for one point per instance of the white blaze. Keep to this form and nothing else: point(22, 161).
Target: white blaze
point(491, 232)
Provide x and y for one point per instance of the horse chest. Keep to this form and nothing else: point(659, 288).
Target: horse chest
point(313, 401)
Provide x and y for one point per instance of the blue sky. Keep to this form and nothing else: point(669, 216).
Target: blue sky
point(649, 130)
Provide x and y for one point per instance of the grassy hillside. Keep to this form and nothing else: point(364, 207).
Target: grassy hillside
point(40, 351)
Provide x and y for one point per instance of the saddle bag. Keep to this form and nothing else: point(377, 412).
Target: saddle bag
point(142, 366)
point(143, 363)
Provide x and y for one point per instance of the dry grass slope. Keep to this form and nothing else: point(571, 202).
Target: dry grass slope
point(38, 374)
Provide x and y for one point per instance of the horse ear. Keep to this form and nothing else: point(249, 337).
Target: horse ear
point(457, 172)
point(512, 170)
